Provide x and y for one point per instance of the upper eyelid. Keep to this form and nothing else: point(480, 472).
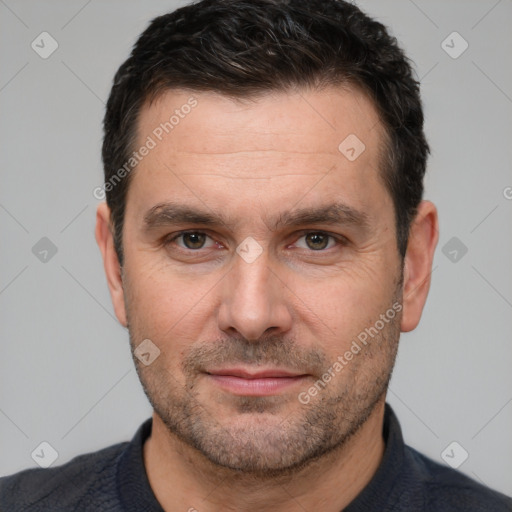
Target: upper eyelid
point(339, 238)
point(172, 237)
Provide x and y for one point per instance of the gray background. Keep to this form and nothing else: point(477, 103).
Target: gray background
point(66, 376)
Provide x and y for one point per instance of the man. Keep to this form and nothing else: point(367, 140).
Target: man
point(265, 242)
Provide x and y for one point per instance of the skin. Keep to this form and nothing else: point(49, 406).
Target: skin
point(297, 306)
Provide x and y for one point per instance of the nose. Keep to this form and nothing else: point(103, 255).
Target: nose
point(254, 300)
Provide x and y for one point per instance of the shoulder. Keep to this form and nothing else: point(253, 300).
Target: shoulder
point(64, 487)
point(446, 489)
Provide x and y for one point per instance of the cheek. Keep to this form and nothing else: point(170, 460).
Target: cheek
point(341, 307)
point(164, 307)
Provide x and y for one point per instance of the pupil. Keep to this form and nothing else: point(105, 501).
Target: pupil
point(317, 241)
point(193, 240)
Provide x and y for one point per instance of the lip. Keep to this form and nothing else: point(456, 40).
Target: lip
point(241, 381)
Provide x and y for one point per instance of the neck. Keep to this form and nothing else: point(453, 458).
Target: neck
point(183, 479)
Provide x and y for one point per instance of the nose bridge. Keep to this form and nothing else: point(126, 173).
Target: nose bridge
point(251, 281)
point(253, 299)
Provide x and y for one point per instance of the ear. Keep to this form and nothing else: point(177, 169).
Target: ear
point(105, 241)
point(423, 236)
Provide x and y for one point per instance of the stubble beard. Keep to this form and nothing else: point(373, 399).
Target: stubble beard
point(274, 442)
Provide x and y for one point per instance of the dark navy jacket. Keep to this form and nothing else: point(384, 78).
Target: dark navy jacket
point(114, 480)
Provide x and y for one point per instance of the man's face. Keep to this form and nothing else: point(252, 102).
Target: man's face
point(289, 254)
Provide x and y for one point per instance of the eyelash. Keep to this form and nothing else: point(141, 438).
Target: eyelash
point(339, 239)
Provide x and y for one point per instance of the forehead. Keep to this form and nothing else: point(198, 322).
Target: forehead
point(266, 151)
point(318, 120)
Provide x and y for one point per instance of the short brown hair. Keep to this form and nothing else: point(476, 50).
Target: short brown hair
point(244, 47)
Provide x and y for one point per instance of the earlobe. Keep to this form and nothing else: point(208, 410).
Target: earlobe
point(423, 236)
point(105, 241)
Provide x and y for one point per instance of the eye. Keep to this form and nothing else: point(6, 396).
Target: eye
point(316, 241)
point(192, 240)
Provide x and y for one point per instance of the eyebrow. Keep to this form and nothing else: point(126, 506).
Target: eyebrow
point(332, 214)
point(170, 213)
